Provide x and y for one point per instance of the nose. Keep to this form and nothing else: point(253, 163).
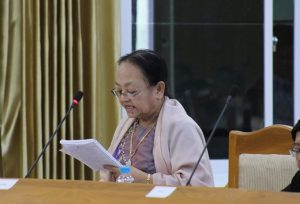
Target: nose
point(123, 97)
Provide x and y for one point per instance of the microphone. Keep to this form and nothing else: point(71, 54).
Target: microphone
point(75, 102)
point(232, 93)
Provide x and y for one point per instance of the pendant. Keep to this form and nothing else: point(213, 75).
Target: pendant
point(128, 163)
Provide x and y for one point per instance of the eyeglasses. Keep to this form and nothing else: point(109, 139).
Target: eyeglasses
point(295, 152)
point(127, 94)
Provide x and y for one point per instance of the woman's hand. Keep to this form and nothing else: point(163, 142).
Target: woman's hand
point(138, 175)
point(113, 170)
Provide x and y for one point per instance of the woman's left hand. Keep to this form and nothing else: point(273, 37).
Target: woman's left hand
point(138, 175)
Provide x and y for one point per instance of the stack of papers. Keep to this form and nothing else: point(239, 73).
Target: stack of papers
point(90, 152)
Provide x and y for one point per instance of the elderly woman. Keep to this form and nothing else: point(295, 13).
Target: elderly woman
point(158, 139)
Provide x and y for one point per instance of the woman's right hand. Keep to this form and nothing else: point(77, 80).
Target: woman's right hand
point(113, 170)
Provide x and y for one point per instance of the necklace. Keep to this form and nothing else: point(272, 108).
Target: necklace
point(131, 151)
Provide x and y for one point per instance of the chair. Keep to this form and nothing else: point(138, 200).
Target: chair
point(254, 156)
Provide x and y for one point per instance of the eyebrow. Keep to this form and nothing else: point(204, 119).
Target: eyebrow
point(126, 84)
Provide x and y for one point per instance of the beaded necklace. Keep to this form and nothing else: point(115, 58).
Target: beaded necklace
point(131, 151)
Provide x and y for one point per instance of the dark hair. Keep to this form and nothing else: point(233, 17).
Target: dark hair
point(295, 129)
point(152, 65)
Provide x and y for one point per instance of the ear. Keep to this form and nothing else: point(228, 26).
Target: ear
point(160, 89)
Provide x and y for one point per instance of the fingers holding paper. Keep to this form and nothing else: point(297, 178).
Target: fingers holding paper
point(115, 172)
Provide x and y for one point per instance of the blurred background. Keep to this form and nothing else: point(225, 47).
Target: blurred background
point(212, 46)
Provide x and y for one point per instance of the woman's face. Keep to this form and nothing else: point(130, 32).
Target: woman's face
point(297, 144)
point(139, 99)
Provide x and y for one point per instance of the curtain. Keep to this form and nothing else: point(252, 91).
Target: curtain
point(50, 49)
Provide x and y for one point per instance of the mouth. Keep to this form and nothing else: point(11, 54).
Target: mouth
point(129, 109)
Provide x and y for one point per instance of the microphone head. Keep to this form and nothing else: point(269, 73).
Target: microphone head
point(77, 97)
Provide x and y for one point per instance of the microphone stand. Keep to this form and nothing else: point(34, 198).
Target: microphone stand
point(74, 103)
point(188, 183)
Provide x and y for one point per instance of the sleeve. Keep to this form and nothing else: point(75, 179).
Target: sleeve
point(185, 144)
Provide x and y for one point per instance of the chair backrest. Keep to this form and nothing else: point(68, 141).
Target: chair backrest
point(266, 172)
point(275, 139)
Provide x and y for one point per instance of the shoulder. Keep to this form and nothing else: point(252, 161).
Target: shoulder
point(296, 179)
point(295, 184)
point(177, 123)
point(175, 113)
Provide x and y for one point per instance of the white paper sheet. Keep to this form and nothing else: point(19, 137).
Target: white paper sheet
point(6, 184)
point(90, 152)
point(161, 192)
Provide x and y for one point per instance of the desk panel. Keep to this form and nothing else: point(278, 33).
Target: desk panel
point(33, 191)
